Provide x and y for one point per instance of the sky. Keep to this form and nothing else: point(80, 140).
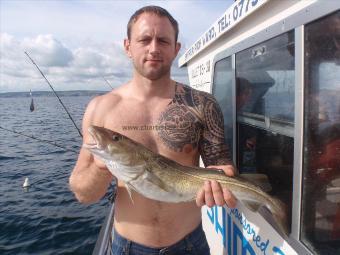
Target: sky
point(78, 44)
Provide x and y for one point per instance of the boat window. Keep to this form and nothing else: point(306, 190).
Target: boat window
point(265, 113)
point(265, 75)
point(222, 91)
point(320, 226)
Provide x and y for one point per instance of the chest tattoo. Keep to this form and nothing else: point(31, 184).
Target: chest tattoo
point(181, 122)
point(193, 120)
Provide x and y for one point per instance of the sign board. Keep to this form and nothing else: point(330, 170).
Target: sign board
point(240, 231)
point(234, 14)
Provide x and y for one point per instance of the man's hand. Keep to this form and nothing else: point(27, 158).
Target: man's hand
point(213, 194)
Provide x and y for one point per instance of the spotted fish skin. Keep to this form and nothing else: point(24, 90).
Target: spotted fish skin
point(159, 178)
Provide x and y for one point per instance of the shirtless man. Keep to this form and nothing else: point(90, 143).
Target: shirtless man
point(187, 123)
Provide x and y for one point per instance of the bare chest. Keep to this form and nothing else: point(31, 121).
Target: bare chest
point(164, 127)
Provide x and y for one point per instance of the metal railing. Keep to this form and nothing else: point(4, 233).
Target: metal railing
point(103, 244)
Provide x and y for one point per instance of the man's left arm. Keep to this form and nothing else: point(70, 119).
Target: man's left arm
point(215, 154)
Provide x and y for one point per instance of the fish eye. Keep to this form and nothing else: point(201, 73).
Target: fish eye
point(115, 138)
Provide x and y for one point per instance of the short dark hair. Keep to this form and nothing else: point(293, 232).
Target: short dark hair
point(159, 11)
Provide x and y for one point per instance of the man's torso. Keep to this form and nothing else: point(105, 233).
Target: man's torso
point(168, 126)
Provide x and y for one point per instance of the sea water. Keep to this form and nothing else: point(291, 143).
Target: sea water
point(46, 218)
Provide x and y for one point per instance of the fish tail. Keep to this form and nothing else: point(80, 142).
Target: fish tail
point(278, 210)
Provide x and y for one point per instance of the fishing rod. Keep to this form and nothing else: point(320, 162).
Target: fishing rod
point(107, 82)
point(38, 139)
point(61, 102)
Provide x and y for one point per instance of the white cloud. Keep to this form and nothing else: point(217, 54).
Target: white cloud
point(6, 40)
point(12, 60)
point(47, 50)
point(79, 68)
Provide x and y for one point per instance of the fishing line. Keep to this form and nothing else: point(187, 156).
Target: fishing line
point(61, 102)
point(107, 82)
point(39, 139)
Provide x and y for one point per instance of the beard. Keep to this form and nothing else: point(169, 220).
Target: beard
point(152, 72)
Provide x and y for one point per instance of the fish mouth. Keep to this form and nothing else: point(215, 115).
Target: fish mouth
point(95, 144)
point(90, 146)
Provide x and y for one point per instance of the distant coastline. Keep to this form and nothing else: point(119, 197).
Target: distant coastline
point(70, 93)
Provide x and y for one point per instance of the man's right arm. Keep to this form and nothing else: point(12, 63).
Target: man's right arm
point(90, 178)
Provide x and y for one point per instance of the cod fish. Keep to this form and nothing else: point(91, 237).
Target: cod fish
point(160, 178)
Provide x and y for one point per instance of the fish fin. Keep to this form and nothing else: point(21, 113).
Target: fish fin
point(251, 205)
point(260, 180)
point(154, 179)
point(279, 224)
point(129, 188)
point(276, 220)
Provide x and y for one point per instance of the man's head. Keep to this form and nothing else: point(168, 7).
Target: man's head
point(152, 42)
point(159, 11)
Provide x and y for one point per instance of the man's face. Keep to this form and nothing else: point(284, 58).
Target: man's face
point(152, 46)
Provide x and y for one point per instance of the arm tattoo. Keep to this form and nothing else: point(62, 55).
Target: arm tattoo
point(213, 148)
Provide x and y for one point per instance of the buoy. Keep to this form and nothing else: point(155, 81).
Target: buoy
point(26, 183)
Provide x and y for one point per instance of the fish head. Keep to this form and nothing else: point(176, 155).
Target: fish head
point(117, 151)
point(107, 144)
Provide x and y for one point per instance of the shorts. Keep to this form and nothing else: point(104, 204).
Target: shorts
point(194, 243)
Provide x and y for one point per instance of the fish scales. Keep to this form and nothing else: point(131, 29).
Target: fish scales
point(199, 175)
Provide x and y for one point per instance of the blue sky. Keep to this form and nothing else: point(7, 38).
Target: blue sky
point(76, 43)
